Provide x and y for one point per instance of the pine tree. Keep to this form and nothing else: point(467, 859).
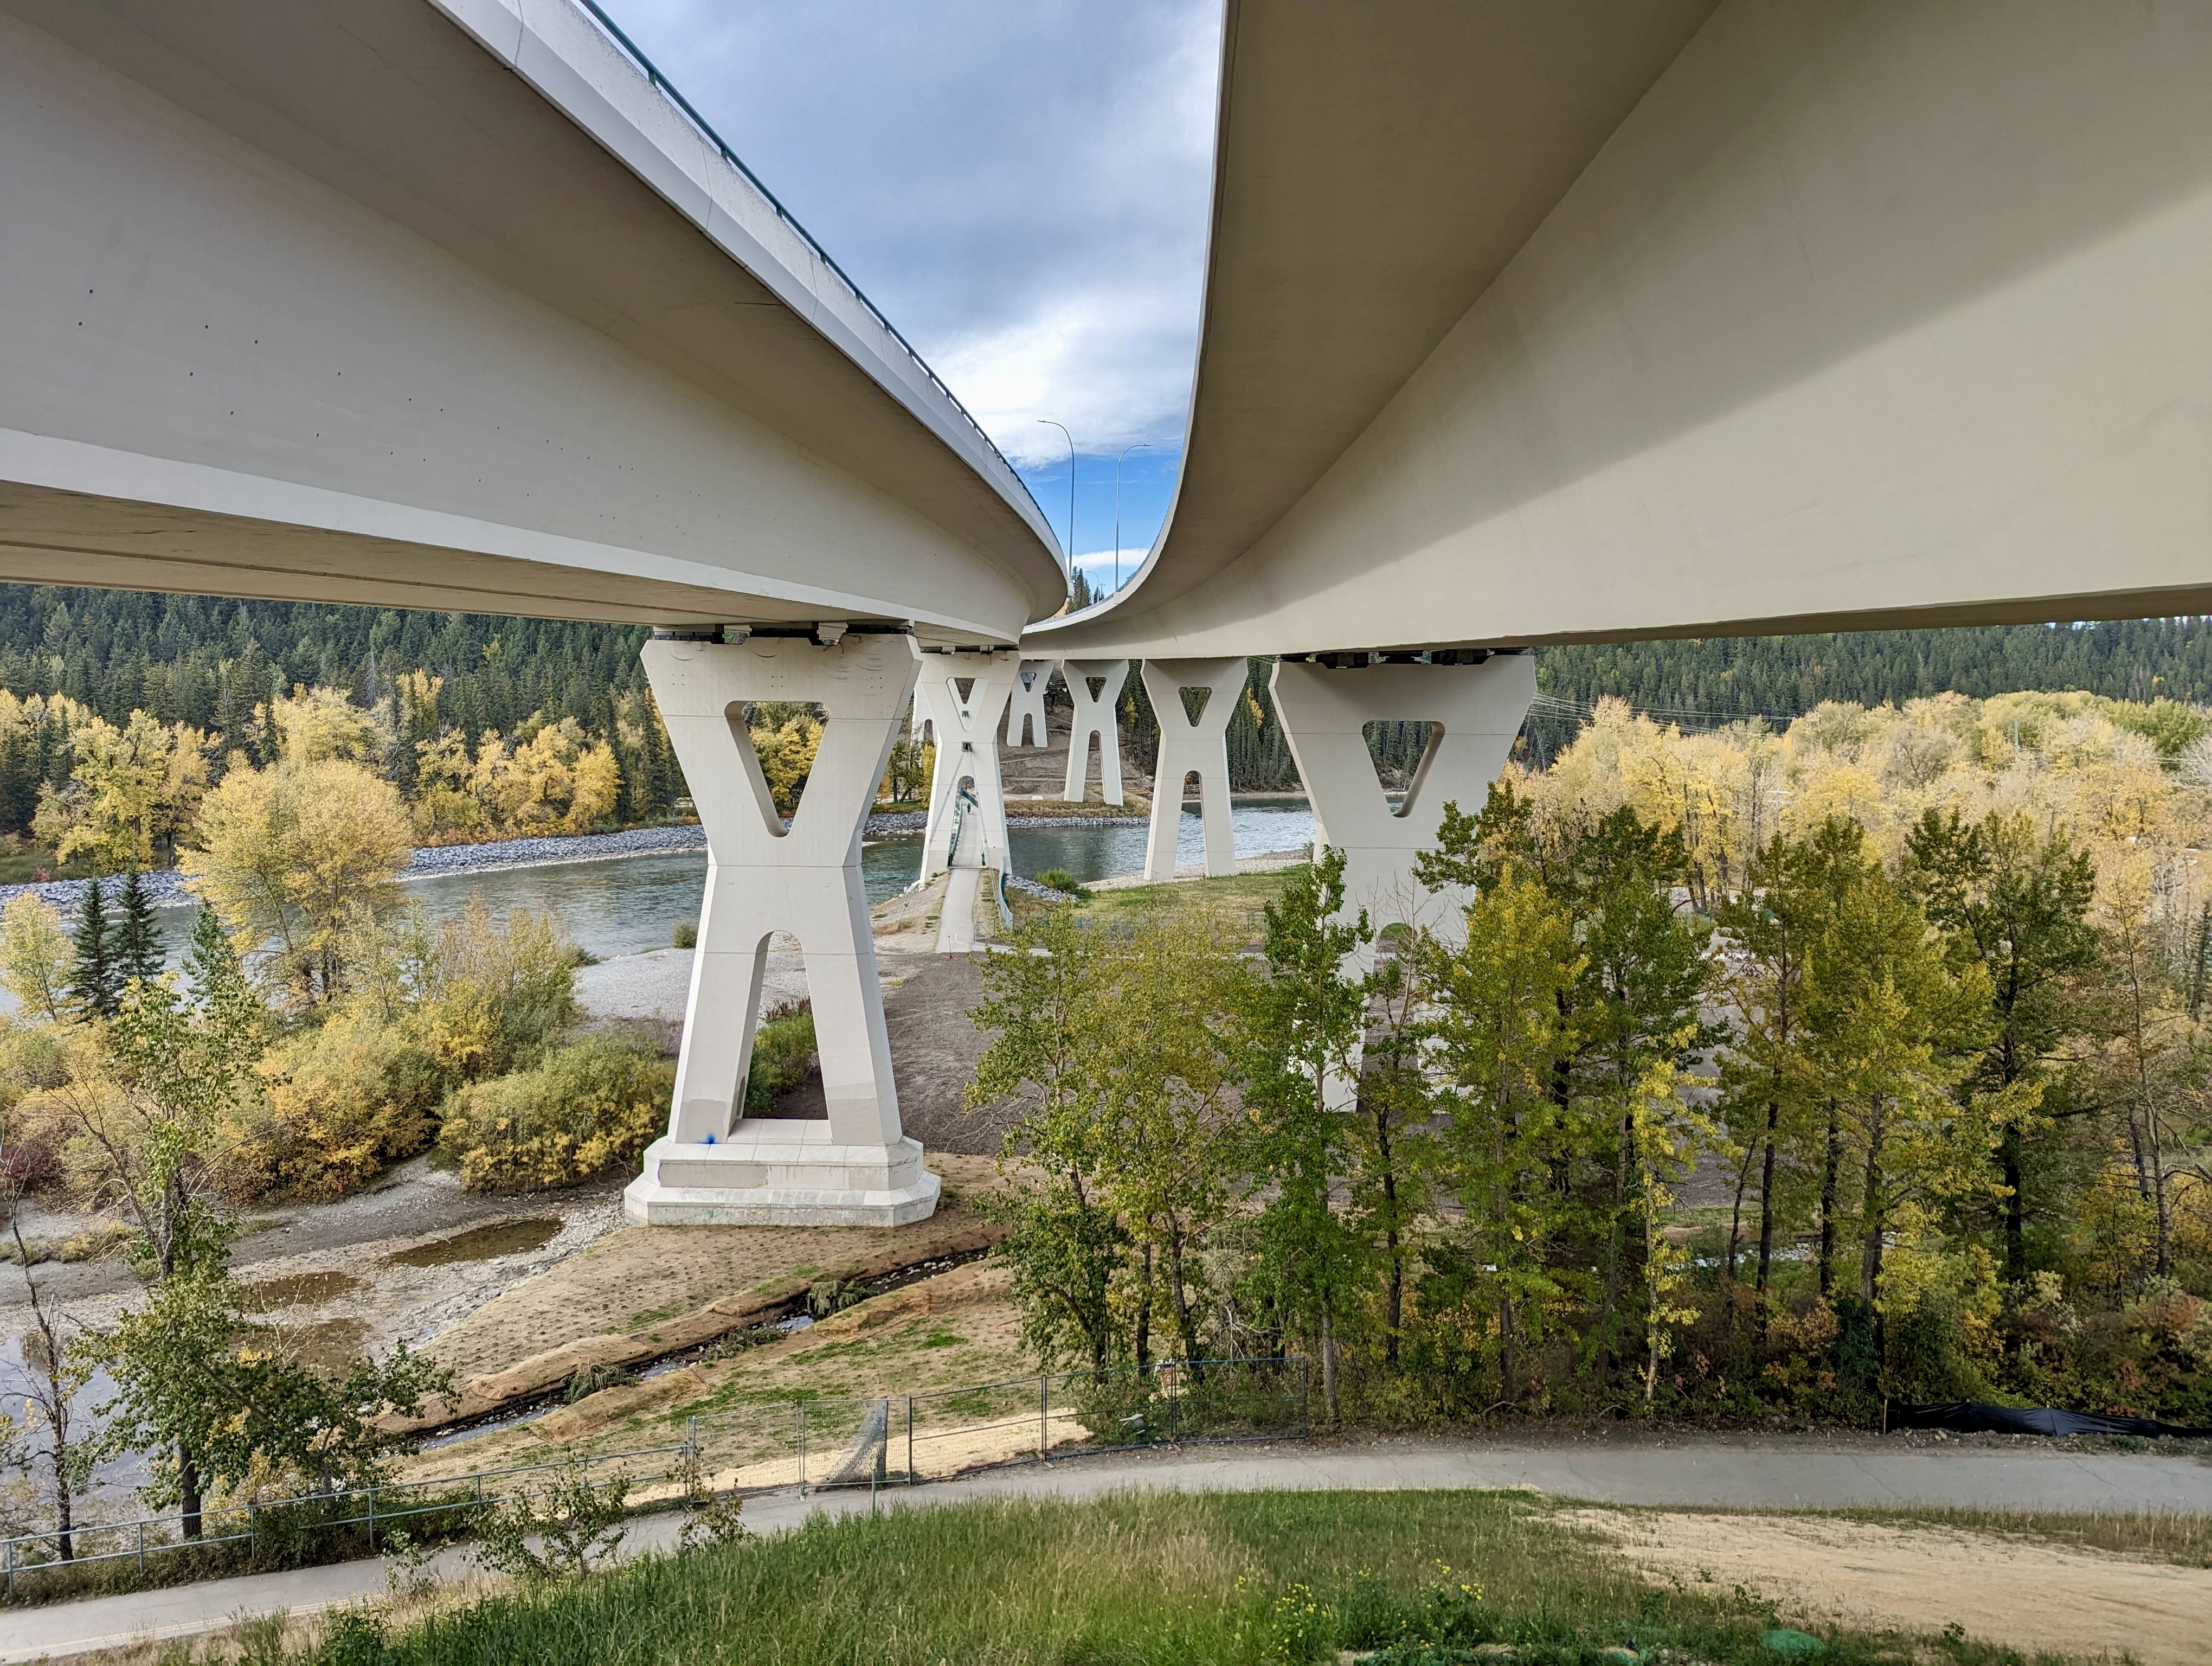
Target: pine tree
point(136, 953)
point(95, 988)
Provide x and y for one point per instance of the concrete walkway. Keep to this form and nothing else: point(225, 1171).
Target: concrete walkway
point(955, 925)
point(1764, 1473)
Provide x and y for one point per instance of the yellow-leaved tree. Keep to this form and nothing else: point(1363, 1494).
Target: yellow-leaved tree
point(128, 787)
point(786, 737)
point(551, 780)
point(291, 857)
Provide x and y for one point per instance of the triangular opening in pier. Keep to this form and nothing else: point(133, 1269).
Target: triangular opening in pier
point(777, 741)
point(1400, 752)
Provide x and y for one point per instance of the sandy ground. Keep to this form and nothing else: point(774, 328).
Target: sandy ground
point(2016, 1591)
point(627, 1279)
point(412, 1204)
point(950, 1332)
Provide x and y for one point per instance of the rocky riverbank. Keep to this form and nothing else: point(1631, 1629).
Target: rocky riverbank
point(167, 885)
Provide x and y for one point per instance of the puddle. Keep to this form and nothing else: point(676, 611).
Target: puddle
point(299, 1290)
point(503, 1237)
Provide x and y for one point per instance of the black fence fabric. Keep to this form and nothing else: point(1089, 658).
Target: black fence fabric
point(1969, 1417)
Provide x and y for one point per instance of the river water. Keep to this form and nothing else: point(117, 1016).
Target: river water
point(626, 904)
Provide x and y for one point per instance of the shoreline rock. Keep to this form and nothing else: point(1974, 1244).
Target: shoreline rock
point(167, 885)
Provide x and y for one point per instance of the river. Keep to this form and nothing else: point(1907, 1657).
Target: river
point(626, 904)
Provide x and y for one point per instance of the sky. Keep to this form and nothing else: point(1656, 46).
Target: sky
point(1021, 188)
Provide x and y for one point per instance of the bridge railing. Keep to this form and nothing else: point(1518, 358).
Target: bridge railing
point(669, 90)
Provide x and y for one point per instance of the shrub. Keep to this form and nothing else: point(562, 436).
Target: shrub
point(342, 1100)
point(499, 991)
point(1060, 879)
point(582, 1109)
point(686, 935)
point(561, 1526)
point(783, 1052)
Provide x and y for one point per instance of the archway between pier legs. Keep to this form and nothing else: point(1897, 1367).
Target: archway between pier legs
point(1192, 747)
point(1475, 711)
point(1026, 721)
point(1093, 687)
point(966, 727)
point(714, 1164)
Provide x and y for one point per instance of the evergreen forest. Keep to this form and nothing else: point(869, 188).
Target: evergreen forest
point(208, 662)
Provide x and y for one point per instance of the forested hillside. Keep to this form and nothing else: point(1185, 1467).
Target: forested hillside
point(1784, 677)
point(207, 663)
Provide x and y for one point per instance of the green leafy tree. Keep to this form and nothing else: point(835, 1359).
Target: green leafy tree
point(329, 1427)
point(183, 1382)
point(1638, 1025)
point(1303, 1040)
point(1771, 927)
point(2018, 906)
point(1891, 1030)
point(1065, 1247)
point(143, 1118)
point(1391, 1150)
point(1164, 1089)
point(1494, 1041)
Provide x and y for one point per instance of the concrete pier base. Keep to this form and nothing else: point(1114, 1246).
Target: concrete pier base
point(716, 1164)
point(778, 1173)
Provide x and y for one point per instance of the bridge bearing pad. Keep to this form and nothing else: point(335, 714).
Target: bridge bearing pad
point(776, 1172)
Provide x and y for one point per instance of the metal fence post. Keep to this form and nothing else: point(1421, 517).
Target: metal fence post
point(802, 1448)
point(141, 1547)
point(1044, 1407)
point(691, 1459)
point(11, 1567)
point(372, 1518)
point(909, 1440)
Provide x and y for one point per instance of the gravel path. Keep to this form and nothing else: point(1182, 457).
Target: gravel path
point(1814, 1472)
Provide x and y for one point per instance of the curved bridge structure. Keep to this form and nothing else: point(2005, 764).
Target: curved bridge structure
point(1548, 323)
point(1527, 321)
point(1542, 323)
point(446, 304)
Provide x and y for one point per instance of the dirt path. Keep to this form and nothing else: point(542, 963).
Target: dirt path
point(2020, 1592)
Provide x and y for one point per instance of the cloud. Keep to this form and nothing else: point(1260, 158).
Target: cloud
point(1023, 189)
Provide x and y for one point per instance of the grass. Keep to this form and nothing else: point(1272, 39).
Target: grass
point(23, 861)
point(1240, 897)
point(1156, 1579)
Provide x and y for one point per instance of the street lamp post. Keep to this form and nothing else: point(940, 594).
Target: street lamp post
point(1062, 427)
point(1125, 450)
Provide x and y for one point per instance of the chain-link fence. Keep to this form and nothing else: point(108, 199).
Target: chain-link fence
point(814, 1444)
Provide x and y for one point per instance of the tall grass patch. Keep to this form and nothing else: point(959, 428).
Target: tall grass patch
point(1162, 1579)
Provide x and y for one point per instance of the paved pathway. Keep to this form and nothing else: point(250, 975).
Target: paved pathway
point(955, 929)
point(1769, 1473)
